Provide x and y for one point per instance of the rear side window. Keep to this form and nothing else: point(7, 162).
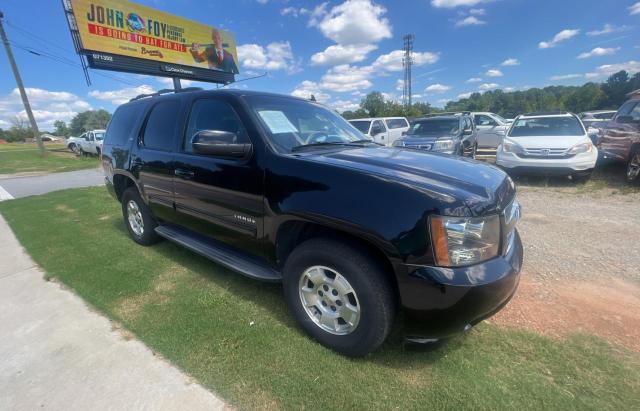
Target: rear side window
point(397, 123)
point(122, 124)
point(161, 126)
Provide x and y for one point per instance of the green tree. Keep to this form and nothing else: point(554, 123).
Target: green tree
point(374, 104)
point(89, 120)
point(61, 128)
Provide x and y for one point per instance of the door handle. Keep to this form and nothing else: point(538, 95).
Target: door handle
point(182, 173)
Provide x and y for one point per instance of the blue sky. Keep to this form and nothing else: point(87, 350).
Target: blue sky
point(340, 50)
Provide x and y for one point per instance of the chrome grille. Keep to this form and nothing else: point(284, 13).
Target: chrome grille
point(420, 146)
point(546, 153)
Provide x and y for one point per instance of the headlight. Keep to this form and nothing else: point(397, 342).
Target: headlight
point(443, 144)
point(581, 148)
point(398, 143)
point(461, 241)
point(509, 146)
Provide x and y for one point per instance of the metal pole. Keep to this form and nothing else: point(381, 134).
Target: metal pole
point(23, 94)
point(176, 84)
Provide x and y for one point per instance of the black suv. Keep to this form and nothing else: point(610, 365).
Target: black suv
point(449, 133)
point(283, 189)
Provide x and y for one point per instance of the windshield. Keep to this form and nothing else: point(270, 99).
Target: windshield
point(362, 125)
point(292, 123)
point(443, 126)
point(99, 136)
point(500, 118)
point(546, 126)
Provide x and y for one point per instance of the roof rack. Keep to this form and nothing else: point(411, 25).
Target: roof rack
point(546, 113)
point(165, 91)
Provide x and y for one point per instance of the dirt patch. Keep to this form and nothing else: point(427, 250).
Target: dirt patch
point(65, 208)
point(161, 293)
point(607, 309)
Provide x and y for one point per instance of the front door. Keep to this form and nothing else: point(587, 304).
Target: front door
point(218, 197)
point(617, 135)
point(489, 134)
point(152, 161)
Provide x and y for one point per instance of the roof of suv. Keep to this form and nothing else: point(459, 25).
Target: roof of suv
point(198, 92)
point(547, 114)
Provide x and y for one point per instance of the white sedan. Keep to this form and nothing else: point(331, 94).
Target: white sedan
point(548, 143)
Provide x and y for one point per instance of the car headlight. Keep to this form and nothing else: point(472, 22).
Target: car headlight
point(461, 241)
point(398, 143)
point(581, 148)
point(443, 144)
point(509, 146)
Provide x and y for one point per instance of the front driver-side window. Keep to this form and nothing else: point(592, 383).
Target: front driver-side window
point(626, 109)
point(209, 114)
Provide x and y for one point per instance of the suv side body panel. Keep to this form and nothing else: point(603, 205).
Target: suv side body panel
point(618, 138)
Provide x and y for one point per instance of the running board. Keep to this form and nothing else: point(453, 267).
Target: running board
point(220, 253)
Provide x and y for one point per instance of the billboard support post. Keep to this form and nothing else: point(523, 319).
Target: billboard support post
point(23, 93)
point(176, 84)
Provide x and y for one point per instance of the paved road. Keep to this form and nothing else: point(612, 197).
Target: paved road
point(57, 354)
point(16, 187)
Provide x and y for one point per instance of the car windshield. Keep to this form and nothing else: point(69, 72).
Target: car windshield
point(99, 136)
point(442, 126)
point(546, 126)
point(362, 125)
point(292, 124)
point(500, 118)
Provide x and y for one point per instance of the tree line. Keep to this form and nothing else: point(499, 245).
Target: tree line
point(590, 96)
point(80, 123)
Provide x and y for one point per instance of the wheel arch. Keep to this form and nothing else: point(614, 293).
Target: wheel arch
point(121, 182)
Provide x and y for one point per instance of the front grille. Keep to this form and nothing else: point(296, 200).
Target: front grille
point(420, 146)
point(552, 153)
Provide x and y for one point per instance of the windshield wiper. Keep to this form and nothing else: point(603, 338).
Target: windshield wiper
point(298, 148)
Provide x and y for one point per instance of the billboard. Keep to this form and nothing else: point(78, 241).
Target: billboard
point(125, 36)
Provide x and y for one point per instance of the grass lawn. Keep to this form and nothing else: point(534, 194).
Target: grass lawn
point(17, 159)
point(235, 336)
point(30, 146)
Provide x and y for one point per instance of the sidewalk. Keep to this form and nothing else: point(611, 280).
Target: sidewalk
point(57, 354)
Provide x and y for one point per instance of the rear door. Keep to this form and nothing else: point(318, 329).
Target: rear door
point(489, 134)
point(395, 127)
point(616, 136)
point(219, 197)
point(153, 160)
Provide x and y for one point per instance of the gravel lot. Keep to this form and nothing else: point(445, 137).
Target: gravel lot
point(582, 254)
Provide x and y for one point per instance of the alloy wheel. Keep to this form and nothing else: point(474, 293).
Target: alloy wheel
point(329, 300)
point(135, 218)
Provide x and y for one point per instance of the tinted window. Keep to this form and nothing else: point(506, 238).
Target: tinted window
point(121, 124)
point(362, 125)
point(161, 125)
point(213, 115)
point(635, 113)
point(397, 123)
point(547, 126)
point(444, 126)
point(379, 123)
point(626, 108)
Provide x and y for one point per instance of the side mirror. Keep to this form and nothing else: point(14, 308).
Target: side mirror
point(404, 133)
point(219, 143)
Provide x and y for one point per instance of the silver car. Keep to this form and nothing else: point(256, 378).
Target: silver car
point(491, 130)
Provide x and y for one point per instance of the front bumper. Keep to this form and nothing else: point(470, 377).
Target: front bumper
point(579, 162)
point(441, 302)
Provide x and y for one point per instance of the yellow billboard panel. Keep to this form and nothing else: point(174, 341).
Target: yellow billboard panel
point(129, 29)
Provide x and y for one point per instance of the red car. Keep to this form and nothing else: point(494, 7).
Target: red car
point(620, 138)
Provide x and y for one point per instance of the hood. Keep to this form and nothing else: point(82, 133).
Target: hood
point(550, 141)
point(468, 187)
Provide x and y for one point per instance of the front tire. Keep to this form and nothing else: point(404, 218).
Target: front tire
point(138, 218)
point(340, 295)
point(633, 167)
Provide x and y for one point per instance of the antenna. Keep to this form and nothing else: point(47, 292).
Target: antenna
point(407, 62)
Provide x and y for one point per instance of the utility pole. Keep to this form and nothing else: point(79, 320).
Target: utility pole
point(23, 94)
point(407, 61)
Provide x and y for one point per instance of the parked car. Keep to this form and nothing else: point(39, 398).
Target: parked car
point(91, 142)
point(491, 129)
point(449, 133)
point(620, 138)
point(548, 143)
point(46, 137)
point(283, 189)
point(594, 118)
point(383, 130)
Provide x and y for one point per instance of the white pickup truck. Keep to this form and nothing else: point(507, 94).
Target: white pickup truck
point(88, 143)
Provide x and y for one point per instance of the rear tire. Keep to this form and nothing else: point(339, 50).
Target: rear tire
point(138, 218)
point(633, 167)
point(353, 323)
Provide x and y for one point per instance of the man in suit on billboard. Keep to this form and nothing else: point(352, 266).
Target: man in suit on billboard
point(214, 54)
